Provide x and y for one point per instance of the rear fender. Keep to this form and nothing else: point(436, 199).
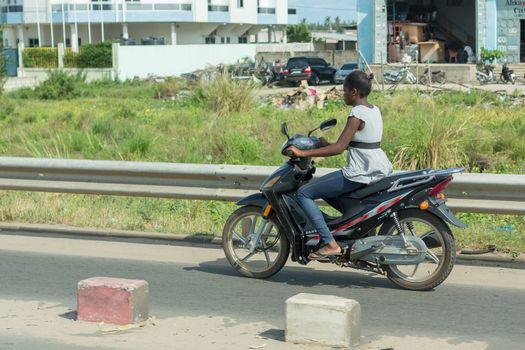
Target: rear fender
point(444, 213)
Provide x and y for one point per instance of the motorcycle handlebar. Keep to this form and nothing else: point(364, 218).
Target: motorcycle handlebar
point(288, 152)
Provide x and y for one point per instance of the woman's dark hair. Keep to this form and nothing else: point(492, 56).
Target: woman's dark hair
point(360, 81)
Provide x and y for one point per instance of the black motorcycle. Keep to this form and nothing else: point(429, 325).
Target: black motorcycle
point(398, 226)
point(507, 75)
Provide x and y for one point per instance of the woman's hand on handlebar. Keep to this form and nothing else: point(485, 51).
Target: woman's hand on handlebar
point(293, 151)
point(323, 142)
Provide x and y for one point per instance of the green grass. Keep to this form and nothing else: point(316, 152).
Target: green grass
point(142, 121)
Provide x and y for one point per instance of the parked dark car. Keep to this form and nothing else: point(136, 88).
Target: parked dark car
point(312, 69)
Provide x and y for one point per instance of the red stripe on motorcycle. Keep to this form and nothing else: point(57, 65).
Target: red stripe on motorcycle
point(388, 205)
point(377, 210)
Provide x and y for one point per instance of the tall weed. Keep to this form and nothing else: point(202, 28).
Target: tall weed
point(225, 95)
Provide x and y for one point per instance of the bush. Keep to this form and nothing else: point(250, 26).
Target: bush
point(97, 55)
point(35, 57)
point(71, 59)
point(491, 55)
point(60, 86)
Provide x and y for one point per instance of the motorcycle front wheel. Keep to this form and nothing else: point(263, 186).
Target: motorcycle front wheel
point(441, 250)
point(255, 247)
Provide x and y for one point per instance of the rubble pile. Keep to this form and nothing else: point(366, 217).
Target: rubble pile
point(305, 97)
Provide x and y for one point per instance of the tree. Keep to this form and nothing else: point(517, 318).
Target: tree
point(338, 25)
point(328, 22)
point(298, 33)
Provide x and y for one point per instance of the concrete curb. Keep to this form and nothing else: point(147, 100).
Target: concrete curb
point(489, 259)
point(108, 233)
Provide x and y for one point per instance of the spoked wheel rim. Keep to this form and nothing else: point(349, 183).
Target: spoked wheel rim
point(247, 229)
point(434, 259)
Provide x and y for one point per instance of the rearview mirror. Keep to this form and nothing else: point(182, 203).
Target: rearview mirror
point(284, 129)
point(328, 124)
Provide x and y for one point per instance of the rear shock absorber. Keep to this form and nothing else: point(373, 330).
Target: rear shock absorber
point(409, 246)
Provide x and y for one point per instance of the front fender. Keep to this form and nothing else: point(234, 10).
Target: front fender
point(256, 199)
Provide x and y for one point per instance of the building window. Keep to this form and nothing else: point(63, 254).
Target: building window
point(292, 11)
point(240, 3)
point(218, 6)
point(97, 4)
point(243, 40)
point(210, 40)
point(266, 10)
point(33, 42)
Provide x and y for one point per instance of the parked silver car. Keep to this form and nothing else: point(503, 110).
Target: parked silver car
point(342, 73)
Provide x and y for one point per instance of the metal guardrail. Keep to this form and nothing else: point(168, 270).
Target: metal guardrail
point(478, 193)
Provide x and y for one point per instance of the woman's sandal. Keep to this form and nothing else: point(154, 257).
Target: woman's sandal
point(319, 256)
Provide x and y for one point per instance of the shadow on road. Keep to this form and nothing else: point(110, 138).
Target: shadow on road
point(304, 276)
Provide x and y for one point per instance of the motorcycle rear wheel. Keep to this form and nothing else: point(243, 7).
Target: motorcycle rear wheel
point(272, 249)
point(443, 255)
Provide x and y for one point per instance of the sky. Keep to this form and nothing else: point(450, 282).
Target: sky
point(317, 10)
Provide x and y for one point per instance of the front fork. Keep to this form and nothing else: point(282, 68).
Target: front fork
point(264, 229)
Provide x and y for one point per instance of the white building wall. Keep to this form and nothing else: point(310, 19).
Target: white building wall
point(200, 10)
point(36, 11)
point(282, 12)
point(246, 14)
point(243, 21)
point(175, 60)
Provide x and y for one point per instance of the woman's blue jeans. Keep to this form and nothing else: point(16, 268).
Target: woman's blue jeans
point(327, 187)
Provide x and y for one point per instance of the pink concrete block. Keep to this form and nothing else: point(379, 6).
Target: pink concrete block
point(112, 300)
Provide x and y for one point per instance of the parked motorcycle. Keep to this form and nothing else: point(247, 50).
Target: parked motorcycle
point(507, 75)
point(414, 246)
point(269, 73)
point(437, 76)
point(486, 74)
point(396, 77)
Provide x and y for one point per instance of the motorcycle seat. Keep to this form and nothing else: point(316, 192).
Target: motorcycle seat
point(383, 184)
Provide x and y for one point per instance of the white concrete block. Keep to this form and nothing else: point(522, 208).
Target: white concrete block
point(323, 319)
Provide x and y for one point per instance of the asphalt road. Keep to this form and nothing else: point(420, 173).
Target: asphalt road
point(476, 304)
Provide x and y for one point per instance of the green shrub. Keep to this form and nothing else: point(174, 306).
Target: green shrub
point(36, 57)
point(491, 55)
point(97, 55)
point(71, 58)
point(60, 86)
